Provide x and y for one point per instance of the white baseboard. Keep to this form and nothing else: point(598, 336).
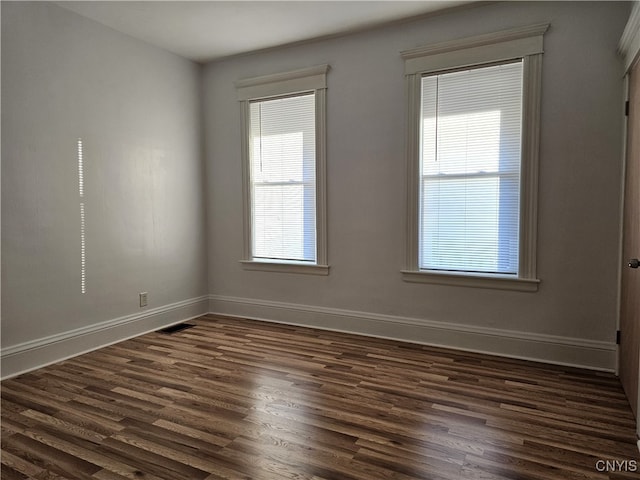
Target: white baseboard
point(583, 353)
point(34, 354)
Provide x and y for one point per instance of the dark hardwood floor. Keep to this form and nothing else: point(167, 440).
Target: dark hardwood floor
point(239, 399)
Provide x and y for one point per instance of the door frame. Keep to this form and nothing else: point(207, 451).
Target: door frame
point(629, 48)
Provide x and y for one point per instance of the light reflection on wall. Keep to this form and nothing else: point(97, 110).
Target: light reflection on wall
point(83, 259)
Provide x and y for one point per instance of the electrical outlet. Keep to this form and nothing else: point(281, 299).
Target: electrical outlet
point(143, 299)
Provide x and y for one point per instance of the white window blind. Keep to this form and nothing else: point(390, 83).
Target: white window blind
point(470, 154)
point(282, 148)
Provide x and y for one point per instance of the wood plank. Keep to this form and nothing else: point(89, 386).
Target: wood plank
point(232, 398)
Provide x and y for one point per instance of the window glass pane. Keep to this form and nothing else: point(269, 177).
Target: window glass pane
point(282, 153)
point(470, 163)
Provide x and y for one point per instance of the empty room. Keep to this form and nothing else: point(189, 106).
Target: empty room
point(320, 240)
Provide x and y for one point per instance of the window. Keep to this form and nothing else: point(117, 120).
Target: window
point(284, 171)
point(470, 170)
point(282, 151)
point(472, 160)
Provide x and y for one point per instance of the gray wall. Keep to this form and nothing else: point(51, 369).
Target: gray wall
point(580, 170)
point(137, 111)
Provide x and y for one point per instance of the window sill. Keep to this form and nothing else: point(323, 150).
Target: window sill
point(499, 282)
point(285, 267)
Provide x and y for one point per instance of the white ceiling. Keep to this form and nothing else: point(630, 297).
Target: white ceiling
point(209, 30)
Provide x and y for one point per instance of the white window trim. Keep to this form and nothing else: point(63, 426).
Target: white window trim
point(525, 43)
point(312, 79)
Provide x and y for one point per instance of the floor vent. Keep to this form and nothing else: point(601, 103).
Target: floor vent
point(176, 328)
